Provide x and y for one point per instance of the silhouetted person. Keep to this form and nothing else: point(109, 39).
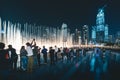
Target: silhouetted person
point(4, 57)
point(62, 53)
point(23, 58)
point(13, 57)
point(44, 51)
point(56, 52)
point(51, 51)
point(36, 52)
point(4, 62)
point(67, 52)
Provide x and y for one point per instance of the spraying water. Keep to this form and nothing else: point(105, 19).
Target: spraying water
point(18, 34)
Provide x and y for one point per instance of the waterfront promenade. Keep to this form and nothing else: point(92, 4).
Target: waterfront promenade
point(80, 68)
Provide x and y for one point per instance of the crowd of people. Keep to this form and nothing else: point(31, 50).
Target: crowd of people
point(9, 57)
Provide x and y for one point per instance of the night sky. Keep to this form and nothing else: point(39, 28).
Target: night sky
point(75, 13)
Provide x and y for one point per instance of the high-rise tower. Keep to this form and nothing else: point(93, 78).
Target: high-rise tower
point(94, 34)
point(101, 28)
point(100, 22)
point(85, 34)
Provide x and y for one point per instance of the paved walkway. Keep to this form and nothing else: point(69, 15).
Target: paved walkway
point(82, 68)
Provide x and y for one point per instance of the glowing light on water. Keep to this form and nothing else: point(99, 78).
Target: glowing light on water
point(92, 64)
point(18, 34)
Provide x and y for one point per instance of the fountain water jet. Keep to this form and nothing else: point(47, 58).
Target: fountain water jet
point(18, 34)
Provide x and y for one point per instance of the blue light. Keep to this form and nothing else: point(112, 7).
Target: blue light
point(2, 31)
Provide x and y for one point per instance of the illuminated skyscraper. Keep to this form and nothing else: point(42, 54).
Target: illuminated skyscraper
point(100, 32)
point(118, 35)
point(76, 37)
point(111, 38)
point(93, 33)
point(100, 35)
point(100, 20)
point(117, 41)
point(106, 33)
point(85, 34)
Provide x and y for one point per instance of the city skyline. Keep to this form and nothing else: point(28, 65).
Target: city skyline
point(53, 13)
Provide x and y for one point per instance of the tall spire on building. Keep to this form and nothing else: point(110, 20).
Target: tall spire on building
point(104, 6)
